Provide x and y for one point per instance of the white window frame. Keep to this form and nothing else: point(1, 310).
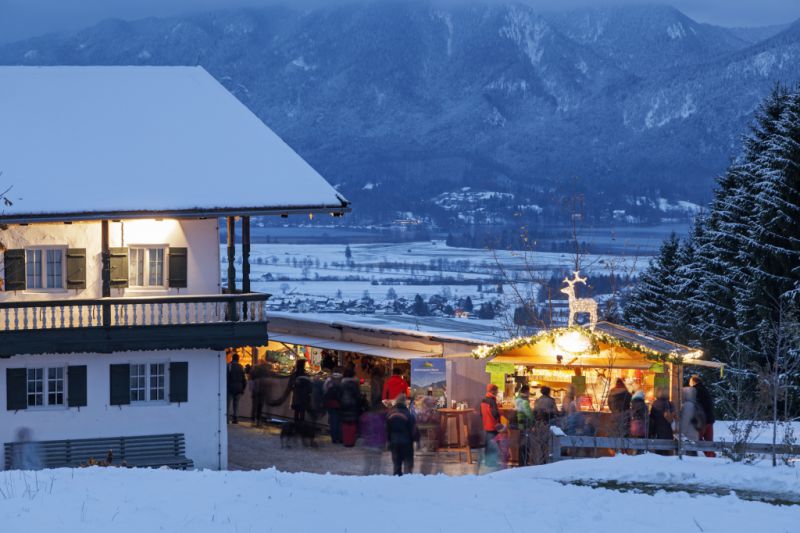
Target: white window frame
point(132, 272)
point(44, 274)
point(46, 387)
point(147, 390)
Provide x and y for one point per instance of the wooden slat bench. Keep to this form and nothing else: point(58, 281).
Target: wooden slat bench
point(140, 451)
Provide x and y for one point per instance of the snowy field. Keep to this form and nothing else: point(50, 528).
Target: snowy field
point(528, 499)
point(424, 262)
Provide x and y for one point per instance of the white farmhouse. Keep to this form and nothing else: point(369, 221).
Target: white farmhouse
point(113, 321)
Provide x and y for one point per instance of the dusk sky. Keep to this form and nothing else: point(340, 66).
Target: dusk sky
point(25, 18)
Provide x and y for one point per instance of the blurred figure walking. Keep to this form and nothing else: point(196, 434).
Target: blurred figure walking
point(236, 382)
point(400, 436)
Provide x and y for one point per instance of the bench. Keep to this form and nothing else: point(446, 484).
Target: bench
point(140, 451)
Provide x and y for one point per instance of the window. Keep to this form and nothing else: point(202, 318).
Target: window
point(44, 268)
point(45, 386)
point(146, 267)
point(148, 382)
point(157, 381)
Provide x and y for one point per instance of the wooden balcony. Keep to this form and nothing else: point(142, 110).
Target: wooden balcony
point(106, 325)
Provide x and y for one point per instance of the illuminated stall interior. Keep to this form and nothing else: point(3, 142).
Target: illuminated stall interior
point(591, 360)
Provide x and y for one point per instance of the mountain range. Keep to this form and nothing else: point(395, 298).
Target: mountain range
point(398, 103)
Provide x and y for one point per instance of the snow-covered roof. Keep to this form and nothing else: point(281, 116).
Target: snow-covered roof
point(83, 142)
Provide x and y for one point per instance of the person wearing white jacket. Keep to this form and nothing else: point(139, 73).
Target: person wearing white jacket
point(692, 416)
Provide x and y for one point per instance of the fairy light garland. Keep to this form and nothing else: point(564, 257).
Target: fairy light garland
point(595, 339)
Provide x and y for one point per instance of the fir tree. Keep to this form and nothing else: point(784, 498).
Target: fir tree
point(651, 302)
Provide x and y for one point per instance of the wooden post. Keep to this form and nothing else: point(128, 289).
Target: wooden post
point(231, 255)
point(105, 255)
point(245, 254)
point(231, 266)
point(245, 260)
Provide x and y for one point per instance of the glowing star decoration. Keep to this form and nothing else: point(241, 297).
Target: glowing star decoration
point(579, 305)
point(573, 342)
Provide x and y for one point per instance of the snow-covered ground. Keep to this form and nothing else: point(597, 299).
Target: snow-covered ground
point(526, 499)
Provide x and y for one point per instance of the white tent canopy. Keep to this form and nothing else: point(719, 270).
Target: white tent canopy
point(82, 142)
point(346, 346)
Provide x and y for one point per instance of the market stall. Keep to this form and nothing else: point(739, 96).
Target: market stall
point(583, 364)
point(373, 353)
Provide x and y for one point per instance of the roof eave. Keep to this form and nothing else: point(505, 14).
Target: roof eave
point(31, 218)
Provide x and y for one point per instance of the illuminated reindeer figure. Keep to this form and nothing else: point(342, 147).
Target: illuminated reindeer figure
point(579, 305)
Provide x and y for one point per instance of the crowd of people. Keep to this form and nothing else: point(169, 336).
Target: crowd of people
point(389, 422)
point(630, 417)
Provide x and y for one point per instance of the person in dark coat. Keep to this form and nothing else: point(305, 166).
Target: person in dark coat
point(400, 429)
point(301, 387)
point(236, 382)
point(332, 398)
point(259, 379)
point(619, 402)
point(706, 402)
point(350, 407)
point(662, 414)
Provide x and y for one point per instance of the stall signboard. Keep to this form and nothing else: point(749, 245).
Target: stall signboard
point(498, 372)
point(429, 373)
point(580, 384)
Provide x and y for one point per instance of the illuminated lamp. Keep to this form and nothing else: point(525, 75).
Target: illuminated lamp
point(573, 342)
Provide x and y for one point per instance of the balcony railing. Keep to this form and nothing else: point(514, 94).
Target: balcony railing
point(135, 311)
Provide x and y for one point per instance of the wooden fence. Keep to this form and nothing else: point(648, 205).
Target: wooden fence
point(560, 442)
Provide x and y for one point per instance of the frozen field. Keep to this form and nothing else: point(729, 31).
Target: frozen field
point(684, 496)
point(416, 268)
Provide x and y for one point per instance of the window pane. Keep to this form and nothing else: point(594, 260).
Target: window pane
point(54, 269)
point(33, 262)
point(35, 386)
point(156, 266)
point(55, 386)
point(138, 383)
point(156, 381)
point(136, 267)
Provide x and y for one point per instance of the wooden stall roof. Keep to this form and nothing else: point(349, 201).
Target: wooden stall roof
point(609, 345)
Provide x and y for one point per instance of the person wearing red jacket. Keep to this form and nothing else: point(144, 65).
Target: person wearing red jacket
point(394, 386)
point(490, 416)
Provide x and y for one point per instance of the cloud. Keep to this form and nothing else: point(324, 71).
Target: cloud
point(25, 18)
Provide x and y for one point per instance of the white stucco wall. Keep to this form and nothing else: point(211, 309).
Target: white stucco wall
point(201, 237)
point(201, 418)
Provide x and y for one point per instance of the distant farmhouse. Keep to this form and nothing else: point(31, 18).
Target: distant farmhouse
point(113, 320)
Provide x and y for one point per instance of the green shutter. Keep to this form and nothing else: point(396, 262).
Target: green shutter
point(119, 267)
point(14, 264)
point(178, 382)
point(120, 379)
point(177, 268)
point(76, 386)
point(16, 389)
point(76, 268)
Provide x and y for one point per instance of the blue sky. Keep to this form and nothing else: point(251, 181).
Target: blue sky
point(25, 18)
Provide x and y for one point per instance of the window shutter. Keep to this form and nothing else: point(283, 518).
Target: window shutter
point(76, 386)
point(178, 268)
point(119, 267)
point(120, 378)
point(178, 382)
point(76, 268)
point(14, 261)
point(16, 389)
